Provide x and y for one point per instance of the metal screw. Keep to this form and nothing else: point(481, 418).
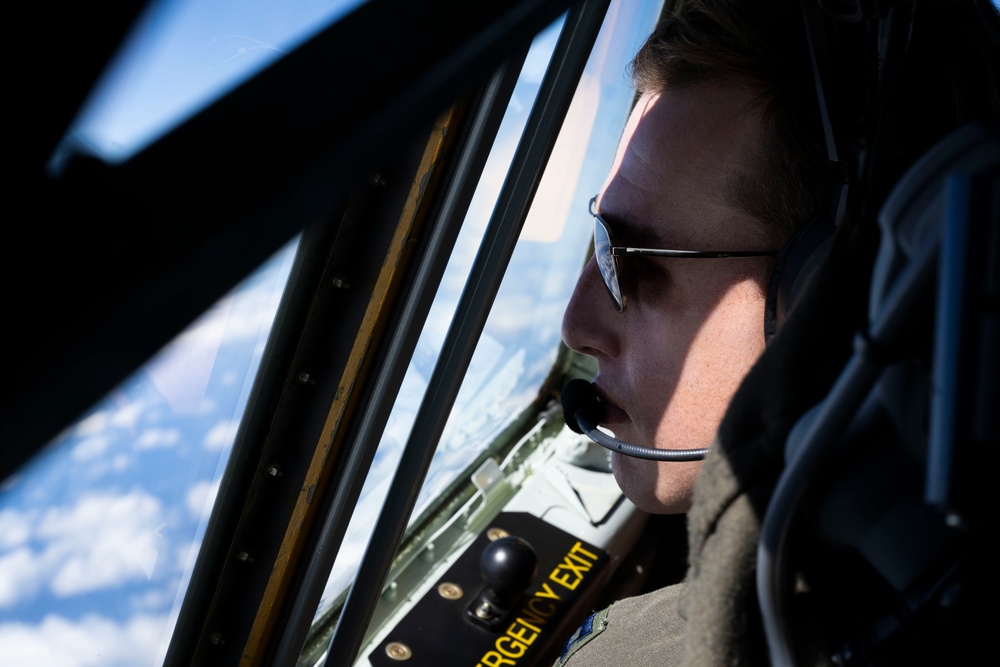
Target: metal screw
point(427, 555)
point(305, 378)
point(398, 651)
point(244, 556)
point(376, 179)
point(274, 470)
point(496, 533)
point(450, 591)
point(391, 592)
point(339, 281)
point(216, 638)
point(484, 611)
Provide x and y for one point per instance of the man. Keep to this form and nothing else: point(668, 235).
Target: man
point(724, 151)
point(691, 328)
point(705, 163)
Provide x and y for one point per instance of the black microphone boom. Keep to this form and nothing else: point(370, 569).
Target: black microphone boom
point(581, 410)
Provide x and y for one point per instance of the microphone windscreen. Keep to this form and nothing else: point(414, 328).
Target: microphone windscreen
point(579, 395)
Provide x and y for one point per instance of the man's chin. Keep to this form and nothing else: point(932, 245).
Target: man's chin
point(657, 487)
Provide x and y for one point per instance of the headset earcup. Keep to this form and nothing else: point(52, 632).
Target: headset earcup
point(793, 265)
point(771, 303)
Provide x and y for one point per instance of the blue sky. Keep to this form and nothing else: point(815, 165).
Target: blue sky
point(98, 533)
point(182, 54)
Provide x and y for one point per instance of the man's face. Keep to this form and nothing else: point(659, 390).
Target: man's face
point(691, 328)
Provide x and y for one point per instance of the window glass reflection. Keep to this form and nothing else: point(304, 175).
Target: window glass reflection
point(99, 533)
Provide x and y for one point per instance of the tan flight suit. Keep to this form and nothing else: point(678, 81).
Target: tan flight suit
point(641, 630)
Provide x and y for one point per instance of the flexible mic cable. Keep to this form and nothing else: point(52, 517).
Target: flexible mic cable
point(580, 409)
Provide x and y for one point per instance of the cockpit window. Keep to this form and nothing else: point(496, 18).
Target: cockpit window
point(182, 55)
point(521, 339)
point(495, 381)
point(99, 533)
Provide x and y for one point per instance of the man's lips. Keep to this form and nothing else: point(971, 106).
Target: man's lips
point(610, 413)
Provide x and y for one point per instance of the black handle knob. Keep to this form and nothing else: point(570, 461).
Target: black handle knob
point(508, 566)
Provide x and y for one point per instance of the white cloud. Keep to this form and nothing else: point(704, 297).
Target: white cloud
point(221, 435)
point(15, 528)
point(200, 496)
point(90, 448)
point(182, 370)
point(90, 642)
point(230, 319)
point(155, 598)
point(20, 576)
point(185, 555)
point(125, 414)
point(102, 541)
point(158, 439)
point(518, 313)
point(93, 423)
point(115, 412)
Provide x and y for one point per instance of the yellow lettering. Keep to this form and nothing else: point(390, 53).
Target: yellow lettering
point(534, 603)
point(565, 579)
point(523, 631)
point(494, 659)
point(528, 615)
point(519, 646)
point(578, 547)
point(547, 592)
point(578, 570)
point(569, 574)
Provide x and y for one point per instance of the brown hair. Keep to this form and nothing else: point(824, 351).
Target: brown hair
point(948, 79)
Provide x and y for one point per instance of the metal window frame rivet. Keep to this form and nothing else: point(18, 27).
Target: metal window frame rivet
point(391, 592)
point(398, 651)
point(495, 534)
point(450, 591)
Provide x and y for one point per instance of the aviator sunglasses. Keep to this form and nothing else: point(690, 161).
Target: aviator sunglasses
point(607, 254)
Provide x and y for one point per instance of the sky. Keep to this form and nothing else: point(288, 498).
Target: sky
point(99, 533)
point(182, 54)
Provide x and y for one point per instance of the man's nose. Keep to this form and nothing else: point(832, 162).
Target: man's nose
point(590, 321)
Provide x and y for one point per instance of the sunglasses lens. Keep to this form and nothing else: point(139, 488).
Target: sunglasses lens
point(606, 262)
